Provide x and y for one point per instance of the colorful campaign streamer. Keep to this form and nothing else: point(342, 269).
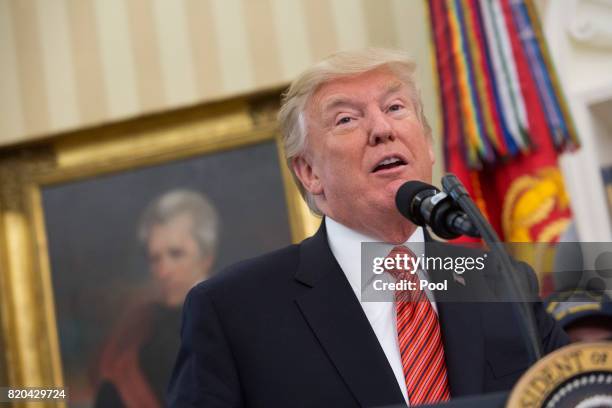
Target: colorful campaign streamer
point(492, 64)
point(505, 120)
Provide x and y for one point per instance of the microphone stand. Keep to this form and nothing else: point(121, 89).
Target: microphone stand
point(453, 187)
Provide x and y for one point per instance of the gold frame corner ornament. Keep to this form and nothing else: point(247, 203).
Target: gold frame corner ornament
point(27, 315)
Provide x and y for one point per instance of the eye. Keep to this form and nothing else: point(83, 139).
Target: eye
point(176, 253)
point(395, 107)
point(343, 120)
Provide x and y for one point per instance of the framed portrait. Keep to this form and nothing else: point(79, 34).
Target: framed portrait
point(105, 230)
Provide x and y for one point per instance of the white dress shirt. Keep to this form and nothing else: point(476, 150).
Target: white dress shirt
point(345, 244)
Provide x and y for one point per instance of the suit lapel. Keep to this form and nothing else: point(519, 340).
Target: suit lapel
point(337, 320)
point(462, 329)
point(463, 347)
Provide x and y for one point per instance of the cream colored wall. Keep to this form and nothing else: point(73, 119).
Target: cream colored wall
point(67, 64)
point(579, 36)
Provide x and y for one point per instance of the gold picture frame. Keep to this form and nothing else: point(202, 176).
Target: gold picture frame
point(30, 334)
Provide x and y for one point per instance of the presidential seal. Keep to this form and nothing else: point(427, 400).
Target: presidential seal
point(578, 375)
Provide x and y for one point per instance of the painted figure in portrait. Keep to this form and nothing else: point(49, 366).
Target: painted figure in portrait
point(179, 232)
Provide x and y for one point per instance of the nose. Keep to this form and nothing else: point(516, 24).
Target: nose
point(381, 130)
point(163, 268)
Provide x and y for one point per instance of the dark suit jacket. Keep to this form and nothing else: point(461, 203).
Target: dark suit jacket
point(286, 330)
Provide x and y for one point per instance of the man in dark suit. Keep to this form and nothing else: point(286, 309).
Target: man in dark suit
point(288, 329)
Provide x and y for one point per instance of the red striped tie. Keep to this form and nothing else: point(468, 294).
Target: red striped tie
point(419, 339)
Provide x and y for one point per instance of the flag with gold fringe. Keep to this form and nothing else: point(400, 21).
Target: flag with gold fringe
point(505, 120)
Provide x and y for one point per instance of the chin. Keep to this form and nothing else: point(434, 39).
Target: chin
point(400, 181)
point(169, 302)
point(399, 236)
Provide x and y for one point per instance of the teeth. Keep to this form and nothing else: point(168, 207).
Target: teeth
point(389, 161)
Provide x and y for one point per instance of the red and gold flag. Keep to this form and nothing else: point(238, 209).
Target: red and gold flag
point(504, 118)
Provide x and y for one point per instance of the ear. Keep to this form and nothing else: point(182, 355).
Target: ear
point(307, 175)
point(430, 150)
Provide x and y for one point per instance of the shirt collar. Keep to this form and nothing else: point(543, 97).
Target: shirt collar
point(345, 244)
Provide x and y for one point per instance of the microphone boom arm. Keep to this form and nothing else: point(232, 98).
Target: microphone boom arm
point(453, 187)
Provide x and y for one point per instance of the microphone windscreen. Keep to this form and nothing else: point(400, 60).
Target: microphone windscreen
point(405, 198)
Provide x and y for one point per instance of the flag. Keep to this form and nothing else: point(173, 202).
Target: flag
point(505, 120)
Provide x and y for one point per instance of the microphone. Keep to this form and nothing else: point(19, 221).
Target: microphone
point(423, 204)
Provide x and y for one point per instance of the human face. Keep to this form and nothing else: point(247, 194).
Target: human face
point(175, 259)
point(355, 125)
point(593, 328)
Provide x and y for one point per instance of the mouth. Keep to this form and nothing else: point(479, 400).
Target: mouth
point(389, 163)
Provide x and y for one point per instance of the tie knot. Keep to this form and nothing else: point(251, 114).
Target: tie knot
point(403, 262)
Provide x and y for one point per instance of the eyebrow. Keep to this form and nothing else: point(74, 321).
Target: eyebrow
point(336, 101)
point(392, 88)
point(343, 100)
